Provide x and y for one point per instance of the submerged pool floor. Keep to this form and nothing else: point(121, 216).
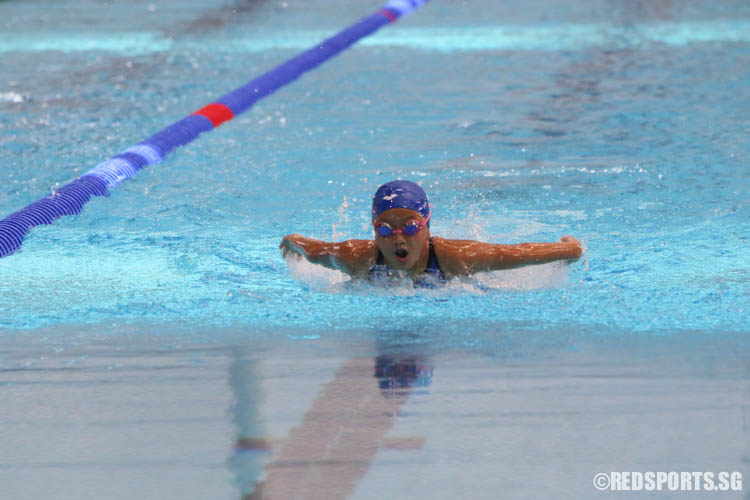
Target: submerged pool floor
point(358, 416)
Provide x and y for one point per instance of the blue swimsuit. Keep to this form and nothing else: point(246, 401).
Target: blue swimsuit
point(433, 274)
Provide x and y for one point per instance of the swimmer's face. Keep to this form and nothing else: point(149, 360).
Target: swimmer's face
point(399, 250)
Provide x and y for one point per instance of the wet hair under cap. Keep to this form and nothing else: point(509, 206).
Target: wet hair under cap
point(400, 194)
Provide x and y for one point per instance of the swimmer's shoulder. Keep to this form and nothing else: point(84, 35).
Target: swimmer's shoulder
point(455, 256)
point(358, 256)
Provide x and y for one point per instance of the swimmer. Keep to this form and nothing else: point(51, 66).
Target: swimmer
point(403, 244)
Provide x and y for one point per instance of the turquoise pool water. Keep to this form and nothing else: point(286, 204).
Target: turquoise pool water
point(631, 137)
point(623, 124)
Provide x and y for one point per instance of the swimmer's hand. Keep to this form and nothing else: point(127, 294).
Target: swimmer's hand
point(291, 245)
point(575, 247)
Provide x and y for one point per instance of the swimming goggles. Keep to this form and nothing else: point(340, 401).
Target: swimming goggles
point(409, 229)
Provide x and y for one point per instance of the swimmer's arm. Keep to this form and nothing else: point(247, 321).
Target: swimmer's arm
point(463, 257)
point(353, 257)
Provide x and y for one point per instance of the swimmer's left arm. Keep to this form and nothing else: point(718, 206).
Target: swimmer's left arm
point(462, 257)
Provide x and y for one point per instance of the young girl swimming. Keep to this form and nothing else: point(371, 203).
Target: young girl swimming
point(403, 244)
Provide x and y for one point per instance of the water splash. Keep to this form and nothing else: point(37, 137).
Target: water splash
point(11, 97)
point(542, 276)
point(313, 275)
point(342, 221)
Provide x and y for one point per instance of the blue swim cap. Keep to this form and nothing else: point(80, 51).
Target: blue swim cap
point(400, 194)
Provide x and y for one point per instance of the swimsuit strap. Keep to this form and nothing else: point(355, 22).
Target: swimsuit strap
point(433, 266)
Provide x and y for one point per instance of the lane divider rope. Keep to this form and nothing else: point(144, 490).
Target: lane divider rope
point(70, 198)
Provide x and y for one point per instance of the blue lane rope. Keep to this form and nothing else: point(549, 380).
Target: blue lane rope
point(71, 198)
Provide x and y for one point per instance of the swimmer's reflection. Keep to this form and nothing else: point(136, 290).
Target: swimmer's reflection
point(331, 449)
point(394, 372)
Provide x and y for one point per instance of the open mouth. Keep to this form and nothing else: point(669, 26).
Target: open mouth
point(401, 254)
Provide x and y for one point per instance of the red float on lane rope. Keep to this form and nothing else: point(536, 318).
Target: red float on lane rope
point(216, 112)
point(387, 13)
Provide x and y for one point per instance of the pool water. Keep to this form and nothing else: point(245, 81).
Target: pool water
point(623, 124)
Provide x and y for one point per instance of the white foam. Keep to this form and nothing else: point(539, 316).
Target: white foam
point(572, 214)
point(10, 97)
point(542, 276)
point(315, 276)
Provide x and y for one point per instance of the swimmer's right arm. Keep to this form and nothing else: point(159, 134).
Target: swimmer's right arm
point(352, 256)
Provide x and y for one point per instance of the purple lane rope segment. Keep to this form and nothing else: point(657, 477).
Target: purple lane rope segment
point(71, 198)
